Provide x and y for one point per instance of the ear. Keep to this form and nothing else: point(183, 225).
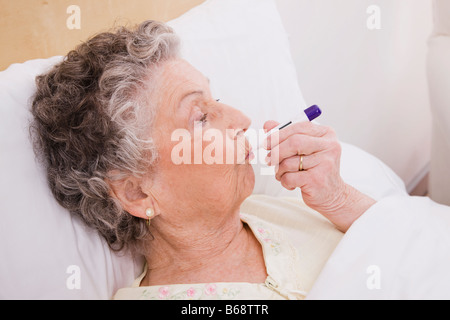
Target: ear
point(130, 195)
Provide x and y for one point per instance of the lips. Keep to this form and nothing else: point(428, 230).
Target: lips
point(248, 152)
point(245, 148)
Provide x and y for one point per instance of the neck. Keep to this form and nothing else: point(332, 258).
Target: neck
point(200, 251)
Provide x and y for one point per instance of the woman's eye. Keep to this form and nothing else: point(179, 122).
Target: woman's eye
point(204, 118)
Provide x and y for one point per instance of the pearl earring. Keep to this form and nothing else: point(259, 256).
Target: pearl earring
point(149, 213)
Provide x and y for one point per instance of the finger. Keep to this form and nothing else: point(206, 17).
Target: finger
point(296, 145)
point(292, 180)
point(269, 125)
point(295, 163)
point(306, 128)
point(291, 164)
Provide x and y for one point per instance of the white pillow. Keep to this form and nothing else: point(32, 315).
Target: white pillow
point(45, 253)
point(241, 46)
point(369, 174)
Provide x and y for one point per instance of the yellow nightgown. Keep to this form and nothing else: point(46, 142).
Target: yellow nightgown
point(296, 242)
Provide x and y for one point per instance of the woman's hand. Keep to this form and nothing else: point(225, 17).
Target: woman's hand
point(307, 156)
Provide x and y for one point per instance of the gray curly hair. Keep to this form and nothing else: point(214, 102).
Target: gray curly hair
point(88, 125)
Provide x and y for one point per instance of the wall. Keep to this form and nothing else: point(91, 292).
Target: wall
point(439, 85)
point(371, 83)
point(33, 29)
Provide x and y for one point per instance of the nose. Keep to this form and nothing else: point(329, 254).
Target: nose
point(237, 121)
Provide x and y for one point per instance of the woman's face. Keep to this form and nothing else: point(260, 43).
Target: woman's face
point(203, 154)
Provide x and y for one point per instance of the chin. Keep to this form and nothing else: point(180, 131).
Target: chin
point(248, 180)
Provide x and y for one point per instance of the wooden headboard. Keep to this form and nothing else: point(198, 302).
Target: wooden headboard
point(31, 29)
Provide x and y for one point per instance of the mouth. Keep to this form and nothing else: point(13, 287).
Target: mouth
point(246, 147)
point(249, 155)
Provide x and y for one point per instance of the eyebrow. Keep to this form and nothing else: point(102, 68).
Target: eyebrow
point(200, 92)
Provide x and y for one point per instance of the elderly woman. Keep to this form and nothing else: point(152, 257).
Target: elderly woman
point(103, 124)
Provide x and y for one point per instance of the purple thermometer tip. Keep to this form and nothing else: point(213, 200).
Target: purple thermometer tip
point(313, 112)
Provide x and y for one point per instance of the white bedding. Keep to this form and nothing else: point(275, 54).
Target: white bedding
point(399, 249)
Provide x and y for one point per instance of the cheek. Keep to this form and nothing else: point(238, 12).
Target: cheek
point(234, 150)
point(213, 146)
point(225, 185)
point(187, 165)
point(208, 184)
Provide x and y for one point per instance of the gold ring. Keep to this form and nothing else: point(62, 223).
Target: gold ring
point(300, 168)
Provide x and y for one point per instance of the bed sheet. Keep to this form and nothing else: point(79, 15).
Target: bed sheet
point(398, 249)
